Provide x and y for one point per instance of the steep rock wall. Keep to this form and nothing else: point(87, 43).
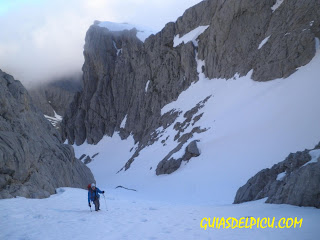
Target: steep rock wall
point(33, 160)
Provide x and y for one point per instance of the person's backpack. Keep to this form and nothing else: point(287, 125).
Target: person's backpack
point(91, 191)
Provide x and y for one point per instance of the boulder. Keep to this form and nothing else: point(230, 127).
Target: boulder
point(169, 164)
point(192, 150)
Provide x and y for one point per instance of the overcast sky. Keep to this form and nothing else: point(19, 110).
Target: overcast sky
point(43, 39)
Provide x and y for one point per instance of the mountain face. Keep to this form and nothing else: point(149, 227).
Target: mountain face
point(127, 82)
point(296, 181)
point(56, 95)
point(33, 160)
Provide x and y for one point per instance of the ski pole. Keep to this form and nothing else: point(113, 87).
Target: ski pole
point(105, 201)
point(90, 208)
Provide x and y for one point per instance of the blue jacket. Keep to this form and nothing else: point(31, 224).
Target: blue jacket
point(93, 194)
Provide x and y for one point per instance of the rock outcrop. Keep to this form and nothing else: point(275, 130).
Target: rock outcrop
point(169, 164)
point(131, 86)
point(33, 160)
point(294, 181)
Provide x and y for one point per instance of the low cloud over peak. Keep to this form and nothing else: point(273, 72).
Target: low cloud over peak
point(42, 40)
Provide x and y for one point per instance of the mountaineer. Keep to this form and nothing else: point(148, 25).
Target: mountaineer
point(93, 195)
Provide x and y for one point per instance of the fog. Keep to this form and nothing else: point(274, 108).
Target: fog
point(41, 40)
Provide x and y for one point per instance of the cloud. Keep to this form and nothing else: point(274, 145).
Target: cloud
point(44, 39)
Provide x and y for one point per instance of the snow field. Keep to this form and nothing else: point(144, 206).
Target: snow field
point(66, 215)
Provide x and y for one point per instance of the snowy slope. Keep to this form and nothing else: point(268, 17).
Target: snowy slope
point(143, 32)
point(251, 126)
point(66, 216)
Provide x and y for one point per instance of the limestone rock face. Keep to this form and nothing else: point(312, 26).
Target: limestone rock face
point(294, 181)
point(115, 83)
point(126, 79)
point(33, 160)
point(56, 95)
point(238, 29)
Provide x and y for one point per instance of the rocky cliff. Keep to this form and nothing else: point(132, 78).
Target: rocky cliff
point(56, 95)
point(296, 181)
point(33, 160)
point(124, 91)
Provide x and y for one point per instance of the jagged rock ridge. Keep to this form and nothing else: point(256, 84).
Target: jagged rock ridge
point(33, 160)
point(137, 82)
